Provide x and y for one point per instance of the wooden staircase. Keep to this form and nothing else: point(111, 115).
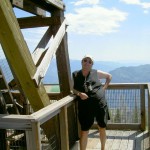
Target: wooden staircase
point(7, 102)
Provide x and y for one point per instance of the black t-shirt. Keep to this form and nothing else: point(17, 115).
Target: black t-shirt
point(90, 84)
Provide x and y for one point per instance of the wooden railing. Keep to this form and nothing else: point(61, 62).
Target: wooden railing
point(125, 98)
point(31, 124)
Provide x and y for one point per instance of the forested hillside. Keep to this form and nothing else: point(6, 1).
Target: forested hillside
point(136, 74)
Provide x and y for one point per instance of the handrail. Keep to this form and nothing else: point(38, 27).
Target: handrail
point(48, 112)
point(31, 123)
point(41, 116)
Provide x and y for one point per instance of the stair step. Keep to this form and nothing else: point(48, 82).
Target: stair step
point(3, 84)
point(9, 105)
point(8, 97)
point(5, 91)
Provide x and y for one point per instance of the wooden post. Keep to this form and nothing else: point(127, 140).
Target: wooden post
point(149, 107)
point(142, 94)
point(64, 129)
point(33, 137)
point(62, 58)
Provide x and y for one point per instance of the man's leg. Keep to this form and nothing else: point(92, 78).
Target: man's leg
point(83, 139)
point(102, 132)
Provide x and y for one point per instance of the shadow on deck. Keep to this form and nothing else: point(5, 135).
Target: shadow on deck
point(119, 140)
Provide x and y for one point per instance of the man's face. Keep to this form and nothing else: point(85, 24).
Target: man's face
point(87, 63)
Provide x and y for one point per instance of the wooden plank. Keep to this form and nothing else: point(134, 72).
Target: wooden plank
point(56, 3)
point(139, 141)
point(37, 21)
point(19, 56)
point(3, 82)
point(143, 117)
point(146, 140)
point(62, 59)
point(124, 141)
point(148, 107)
point(110, 138)
point(131, 140)
point(33, 137)
point(117, 141)
point(126, 86)
point(19, 122)
point(121, 126)
point(37, 54)
point(93, 139)
point(49, 5)
point(64, 129)
point(47, 112)
point(43, 67)
point(45, 39)
point(28, 6)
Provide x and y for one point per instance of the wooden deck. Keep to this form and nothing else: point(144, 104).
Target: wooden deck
point(119, 140)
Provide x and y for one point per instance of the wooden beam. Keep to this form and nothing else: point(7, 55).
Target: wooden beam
point(18, 54)
point(148, 107)
point(37, 54)
point(42, 69)
point(62, 57)
point(50, 4)
point(143, 117)
point(64, 128)
point(45, 39)
point(58, 3)
point(33, 22)
point(28, 6)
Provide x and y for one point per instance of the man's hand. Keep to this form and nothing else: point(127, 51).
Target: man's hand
point(83, 96)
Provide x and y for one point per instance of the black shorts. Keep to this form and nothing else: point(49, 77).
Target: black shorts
point(89, 110)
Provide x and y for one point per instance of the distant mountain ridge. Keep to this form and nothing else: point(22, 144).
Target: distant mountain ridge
point(132, 74)
point(121, 72)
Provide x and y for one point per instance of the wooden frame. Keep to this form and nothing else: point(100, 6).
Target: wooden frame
point(31, 123)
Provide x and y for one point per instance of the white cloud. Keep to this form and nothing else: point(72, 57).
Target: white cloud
point(136, 2)
point(90, 2)
point(145, 5)
point(146, 12)
point(95, 20)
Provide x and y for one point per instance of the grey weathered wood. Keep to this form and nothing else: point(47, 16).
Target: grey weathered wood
point(54, 44)
point(37, 54)
point(48, 112)
point(49, 5)
point(58, 3)
point(149, 107)
point(33, 22)
point(142, 98)
point(33, 137)
point(29, 7)
point(62, 59)
point(19, 56)
point(64, 128)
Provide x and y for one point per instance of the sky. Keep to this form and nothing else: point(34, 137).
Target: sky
point(109, 30)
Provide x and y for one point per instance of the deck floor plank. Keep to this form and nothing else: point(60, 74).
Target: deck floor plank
point(110, 138)
point(124, 141)
point(118, 140)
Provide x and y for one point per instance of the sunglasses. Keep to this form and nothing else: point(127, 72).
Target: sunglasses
point(86, 60)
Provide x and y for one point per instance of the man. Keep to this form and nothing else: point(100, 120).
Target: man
point(91, 99)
